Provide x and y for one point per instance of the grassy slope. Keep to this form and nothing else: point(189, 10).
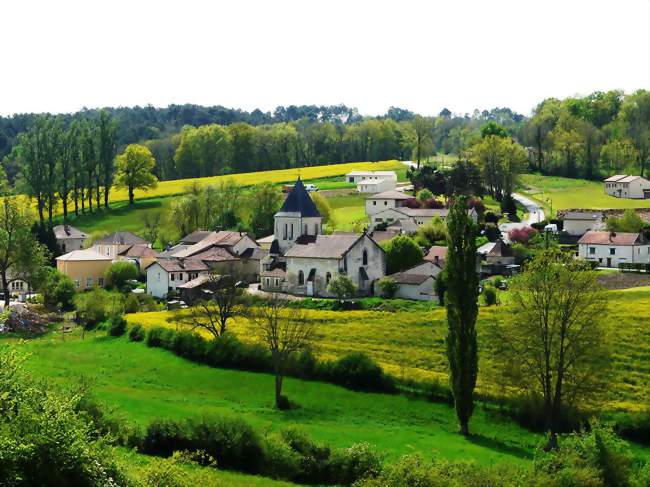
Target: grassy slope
point(146, 383)
point(410, 344)
point(573, 193)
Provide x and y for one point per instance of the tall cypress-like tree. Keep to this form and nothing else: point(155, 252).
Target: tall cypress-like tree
point(107, 149)
point(462, 309)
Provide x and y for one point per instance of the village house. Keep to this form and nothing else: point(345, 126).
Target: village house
point(86, 268)
point(223, 252)
point(610, 249)
point(372, 181)
point(302, 260)
point(140, 255)
point(416, 283)
point(386, 201)
point(409, 219)
point(623, 186)
point(437, 254)
point(577, 223)
point(69, 238)
point(496, 258)
point(111, 245)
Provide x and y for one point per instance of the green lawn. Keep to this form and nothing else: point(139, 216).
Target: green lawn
point(143, 383)
point(347, 210)
point(563, 193)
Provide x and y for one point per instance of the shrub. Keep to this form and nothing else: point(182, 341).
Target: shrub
point(353, 464)
point(132, 304)
point(634, 427)
point(388, 287)
point(137, 333)
point(424, 195)
point(490, 295)
point(491, 217)
point(165, 436)
point(159, 336)
point(342, 287)
point(188, 345)
point(401, 253)
point(120, 273)
point(521, 234)
point(359, 372)
point(97, 305)
point(58, 290)
point(116, 326)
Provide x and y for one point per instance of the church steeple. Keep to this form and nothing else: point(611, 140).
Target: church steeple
point(298, 216)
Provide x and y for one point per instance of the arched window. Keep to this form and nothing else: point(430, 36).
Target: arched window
point(291, 232)
point(284, 235)
point(315, 228)
point(328, 277)
point(365, 257)
point(301, 278)
point(306, 230)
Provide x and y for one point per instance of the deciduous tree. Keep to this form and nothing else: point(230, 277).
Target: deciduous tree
point(135, 170)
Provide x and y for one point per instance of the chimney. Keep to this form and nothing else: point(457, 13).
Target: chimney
point(181, 263)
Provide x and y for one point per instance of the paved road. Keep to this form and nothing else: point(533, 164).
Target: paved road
point(535, 212)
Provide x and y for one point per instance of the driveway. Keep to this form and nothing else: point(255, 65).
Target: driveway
point(535, 212)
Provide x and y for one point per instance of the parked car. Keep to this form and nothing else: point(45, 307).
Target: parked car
point(311, 187)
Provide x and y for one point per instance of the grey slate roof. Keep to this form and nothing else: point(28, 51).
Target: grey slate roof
point(67, 231)
point(195, 237)
point(299, 201)
point(406, 278)
point(583, 215)
point(324, 246)
point(121, 238)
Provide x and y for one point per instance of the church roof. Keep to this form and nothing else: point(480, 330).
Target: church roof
point(299, 201)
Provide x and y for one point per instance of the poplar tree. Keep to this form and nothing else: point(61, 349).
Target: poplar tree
point(106, 151)
point(461, 298)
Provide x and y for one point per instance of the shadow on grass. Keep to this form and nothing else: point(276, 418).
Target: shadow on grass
point(499, 446)
point(119, 209)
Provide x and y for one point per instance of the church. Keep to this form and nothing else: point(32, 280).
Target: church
point(302, 260)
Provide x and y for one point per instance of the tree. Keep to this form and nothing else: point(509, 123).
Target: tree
point(324, 208)
point(151, 226)
point(461, 298)
point(68, 162)
point(120, 273)
point(500, 160)
point(635, 116)
point(106, 150)
point(21, 256)
point(265, 200)
point(630, 222)
point(285, 331)
point(388, 287)
point(58, 290)
point(135, 169)
point(422, 138)
point(222, 302)
point(401, 253)
point(554, 335)
point(342, 287)
point(493, 128)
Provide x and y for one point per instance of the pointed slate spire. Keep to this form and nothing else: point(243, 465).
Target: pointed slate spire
point(299, 201)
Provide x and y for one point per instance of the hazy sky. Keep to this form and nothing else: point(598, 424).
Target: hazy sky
point(60, 56)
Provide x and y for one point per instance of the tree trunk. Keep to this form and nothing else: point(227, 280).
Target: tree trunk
point(107, 189)
point(464, 427)
point(76, 202)
point(130, 197)
point(98, 198)
point(5, 288)
point(65, 209)
point(278, 389)
point(50, 210)
point(90, 200)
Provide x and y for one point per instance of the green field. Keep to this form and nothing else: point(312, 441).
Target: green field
point(409, 344)
point(143, 383)
point(563, 193)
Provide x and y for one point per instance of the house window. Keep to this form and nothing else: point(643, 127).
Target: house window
point(306, 231)
point(351, 179)
point(374, 203)
point(284, 234)
point(592, 250)
point(172, 277)
point(612, 251)
point(328, 277)
point(89, 282)
point(180, 276)
point(365, 257)
point(277, 282)
point(159, 277)
point(315, 228)
point(77, 283)
point(100, 281)
point(291, 232)
point(63, 248)
point(267, 280)
point(385, 203)
point(301, 278)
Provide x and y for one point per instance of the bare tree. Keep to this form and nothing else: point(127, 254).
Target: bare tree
point(284, 331)
point(151, 224)
point(221, 302)
point(551, 344)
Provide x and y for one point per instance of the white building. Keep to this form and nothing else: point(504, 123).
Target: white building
point(385, 201)
point(623, 186)
point(111, 245)
point(610, 249)
point(298, 216)
point(165, 275)
point(409, 219)
point(372, 181)
point(69, 238)
point(417, 283)
point(577, 223)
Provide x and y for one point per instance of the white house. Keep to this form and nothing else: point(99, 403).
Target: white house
point(372, 181)
point(69, 238)
point(385, 201)
point(610, 249)
point(577, 223)
point(111, 245)
point(417, 282)
point(165, 275)
point(416, 216)
point(623, 186)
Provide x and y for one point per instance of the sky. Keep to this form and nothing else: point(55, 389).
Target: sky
point(423, 55)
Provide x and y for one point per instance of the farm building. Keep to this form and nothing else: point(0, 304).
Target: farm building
point(610, 249)
point(416, 216)
point(623, 186)
point(577, 223)
point(372, 181)
point(417, 282)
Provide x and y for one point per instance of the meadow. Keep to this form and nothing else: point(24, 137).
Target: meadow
point(563, 193)
point(409, 344)
point(142, 383)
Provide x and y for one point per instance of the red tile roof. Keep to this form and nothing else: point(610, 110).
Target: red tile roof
point(611, 238)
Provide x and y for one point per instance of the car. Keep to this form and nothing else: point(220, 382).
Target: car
point(311, 187)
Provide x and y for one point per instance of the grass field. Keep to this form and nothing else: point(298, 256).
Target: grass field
point(144, 383)
point(563, 193)
point(410, 344)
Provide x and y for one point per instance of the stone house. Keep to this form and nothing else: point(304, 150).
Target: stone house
point(577, 223)
point(69, 238)
point(409, 219)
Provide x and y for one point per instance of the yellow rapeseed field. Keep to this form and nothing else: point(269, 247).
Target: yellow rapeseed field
point(411, 344)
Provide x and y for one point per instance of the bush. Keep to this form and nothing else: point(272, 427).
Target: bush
point(401, 253)
point(188, 345)
point(165, 436)
point(490, 295)
point(424, 195)
point(97, 305)
point(521, 234)
point(359, 372)
point(388, 287)
point(58, 290)
point(342, 287)
point(634, 426)
point(132, 304)
point(137, 333)
point(356, 463)
point(116, 326)
point(119, 274)
point(491, 217)
point(161, 337)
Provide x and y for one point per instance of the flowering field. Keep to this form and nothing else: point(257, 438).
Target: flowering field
point(410, 344)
